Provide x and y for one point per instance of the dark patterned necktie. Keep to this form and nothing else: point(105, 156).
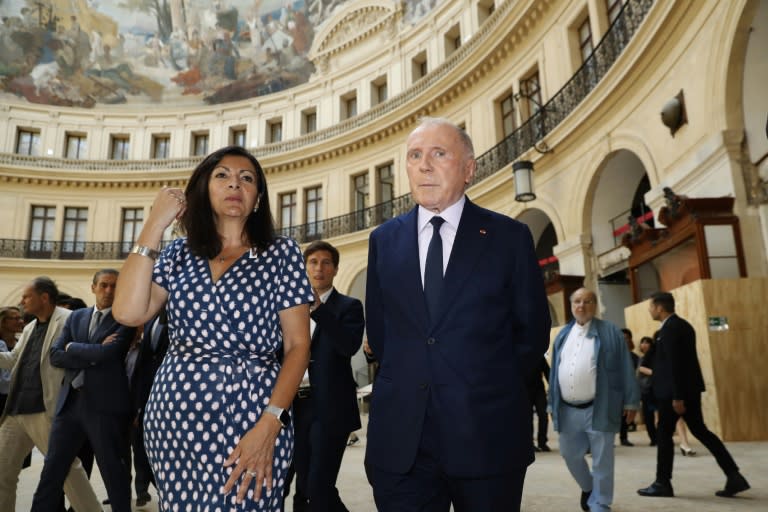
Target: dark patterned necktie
point(95, 321)
point(433, 270)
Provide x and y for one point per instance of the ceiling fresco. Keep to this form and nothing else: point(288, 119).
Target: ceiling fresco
point(84, 53)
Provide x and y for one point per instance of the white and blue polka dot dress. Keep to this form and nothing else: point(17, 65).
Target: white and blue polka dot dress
point(219, 372)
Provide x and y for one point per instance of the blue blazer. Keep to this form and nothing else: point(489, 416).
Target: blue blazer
point(337, 337)
point(470, 363)
point(106, 384)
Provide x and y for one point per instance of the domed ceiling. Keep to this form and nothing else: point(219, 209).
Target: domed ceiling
point(84, 53)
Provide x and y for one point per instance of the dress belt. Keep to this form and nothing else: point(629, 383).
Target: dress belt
point(579, 406)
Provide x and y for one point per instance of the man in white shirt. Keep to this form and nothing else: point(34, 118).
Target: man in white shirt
point(591, 379)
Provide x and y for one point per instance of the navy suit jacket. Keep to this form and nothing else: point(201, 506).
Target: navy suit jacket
point(676, 370)
point(147, 363)
point(106, 384)
point(470, 364)
point(337, 337)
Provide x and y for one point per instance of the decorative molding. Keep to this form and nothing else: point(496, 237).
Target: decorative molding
point(356, 21)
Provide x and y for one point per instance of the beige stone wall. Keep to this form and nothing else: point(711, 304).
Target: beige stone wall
point(686, 45)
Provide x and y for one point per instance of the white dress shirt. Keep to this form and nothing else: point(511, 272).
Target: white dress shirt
point(577, 371)
point(312, 324)
point(451, 216)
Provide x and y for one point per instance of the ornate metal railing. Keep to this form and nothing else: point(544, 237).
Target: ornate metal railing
point(531, 132)
point(58, 250)
point(565, 101)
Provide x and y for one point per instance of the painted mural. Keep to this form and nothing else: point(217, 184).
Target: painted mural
point(82, 53)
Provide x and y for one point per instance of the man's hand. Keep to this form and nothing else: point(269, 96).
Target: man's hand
point(367, 347)
point(109, 339)
point(679, 406)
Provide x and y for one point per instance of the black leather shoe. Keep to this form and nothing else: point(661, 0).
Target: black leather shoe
point(143, 500)
point(657, 490)
point(544, 448)
point(626, 442)
point(736, 483)
point(584, 499)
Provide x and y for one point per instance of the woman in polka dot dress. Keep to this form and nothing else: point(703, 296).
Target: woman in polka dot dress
point(216, 430)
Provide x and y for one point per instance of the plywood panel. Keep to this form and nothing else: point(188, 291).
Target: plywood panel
point(738, 355)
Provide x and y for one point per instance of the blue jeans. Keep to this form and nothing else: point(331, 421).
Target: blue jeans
point(576, 437)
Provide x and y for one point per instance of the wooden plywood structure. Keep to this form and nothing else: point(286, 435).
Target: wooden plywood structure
point(735, 403)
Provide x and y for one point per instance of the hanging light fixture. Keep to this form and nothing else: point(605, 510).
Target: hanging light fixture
point(523, 171)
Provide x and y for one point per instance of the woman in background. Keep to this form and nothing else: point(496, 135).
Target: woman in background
point(644, 373)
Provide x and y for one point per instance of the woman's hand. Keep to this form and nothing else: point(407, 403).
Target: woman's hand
point(168, 206)
point(254, 456)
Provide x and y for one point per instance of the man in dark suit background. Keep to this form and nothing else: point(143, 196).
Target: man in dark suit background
point(677, 386)
point(152, 349)
point(94, 400)
point(325, 408)
point(457, 315)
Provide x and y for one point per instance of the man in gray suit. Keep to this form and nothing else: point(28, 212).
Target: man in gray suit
point(35, 384)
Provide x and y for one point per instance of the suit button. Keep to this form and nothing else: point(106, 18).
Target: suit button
point(430, 341)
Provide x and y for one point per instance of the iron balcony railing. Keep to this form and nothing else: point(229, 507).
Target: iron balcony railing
point(531, 132)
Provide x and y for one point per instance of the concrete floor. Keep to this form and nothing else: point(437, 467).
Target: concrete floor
point(549, 487)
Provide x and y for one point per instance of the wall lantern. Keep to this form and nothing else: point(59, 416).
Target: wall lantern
point(523, 171)
point(673, 113)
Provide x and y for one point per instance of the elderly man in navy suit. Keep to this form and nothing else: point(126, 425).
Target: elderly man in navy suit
point(94, 401)
point(457, 314)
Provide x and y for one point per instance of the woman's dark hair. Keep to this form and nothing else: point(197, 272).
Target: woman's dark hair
point(198, 222)
point(647, 339)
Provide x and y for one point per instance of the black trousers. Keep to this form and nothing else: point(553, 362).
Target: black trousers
point(317, 460)
point(71, 428)
point(693, 418)
point(649, 407)
point(538, 400)
point(141, 466)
